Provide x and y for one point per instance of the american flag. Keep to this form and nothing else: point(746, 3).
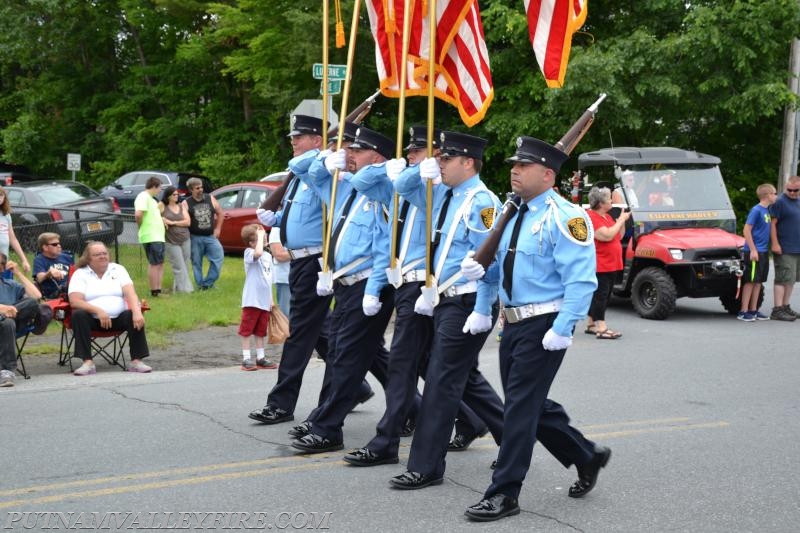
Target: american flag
point(551, 24)
point(462, 74)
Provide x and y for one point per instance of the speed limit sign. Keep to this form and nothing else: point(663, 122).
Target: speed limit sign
point(73, 162)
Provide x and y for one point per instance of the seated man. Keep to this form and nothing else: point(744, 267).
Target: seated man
point(51, 266)
point(102, 297)
point(17, 308)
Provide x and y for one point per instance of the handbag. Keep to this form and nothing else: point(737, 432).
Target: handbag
point(278, 329)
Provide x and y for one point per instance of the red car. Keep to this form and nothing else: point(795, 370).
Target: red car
point(239, 201)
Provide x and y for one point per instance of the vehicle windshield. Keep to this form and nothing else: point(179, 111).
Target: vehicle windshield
point(678, 196)
point(65, 194)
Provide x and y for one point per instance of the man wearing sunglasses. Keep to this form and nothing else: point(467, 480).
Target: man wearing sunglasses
point(51, 266)
point(785, 244)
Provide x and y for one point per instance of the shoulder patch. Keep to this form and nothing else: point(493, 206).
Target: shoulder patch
point(578, 229)
point(487, 217)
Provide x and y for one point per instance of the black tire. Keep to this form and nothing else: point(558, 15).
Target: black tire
point(653, 294)
point(733, 305)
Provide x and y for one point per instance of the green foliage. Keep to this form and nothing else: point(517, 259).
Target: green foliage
point(205, 86)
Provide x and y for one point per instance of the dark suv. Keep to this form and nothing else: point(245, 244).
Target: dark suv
point(125, 188)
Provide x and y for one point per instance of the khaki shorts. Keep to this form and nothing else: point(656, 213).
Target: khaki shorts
point(787, 268)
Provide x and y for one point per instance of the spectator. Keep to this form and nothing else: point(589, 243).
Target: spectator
point(608, 250)
point(280, 270)
point(625, 193)
point(102, 297)
point(256, 297)
point(7, 237)
point(755, 256)
point(178, 245)
point(785, 239)
point(205, 216)
point(51, 266)
point(151, 232)
point(17, 308)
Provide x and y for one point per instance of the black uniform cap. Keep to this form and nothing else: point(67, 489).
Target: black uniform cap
point(372, 140)
point(418, 137)
point(532, 150)
point(304, 124)
point(454, 143)
point(349, 133)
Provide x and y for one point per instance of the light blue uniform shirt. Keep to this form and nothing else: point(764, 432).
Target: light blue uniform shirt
point(365, 228)
point(304, 225)
point(377, 186)
point(549, 264)
point(470, 232)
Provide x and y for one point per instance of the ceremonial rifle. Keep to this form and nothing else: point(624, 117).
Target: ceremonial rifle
point(487, 250)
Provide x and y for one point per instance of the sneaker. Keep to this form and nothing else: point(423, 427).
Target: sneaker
point(745, 316)
point(266, 364)
point(140, 367)
point(6, 378)
point(86, 369)
point(791, 311)
point(758, 315)
point(248, 365)
point(780, 313)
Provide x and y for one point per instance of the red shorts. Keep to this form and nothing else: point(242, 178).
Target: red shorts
point(254, 322)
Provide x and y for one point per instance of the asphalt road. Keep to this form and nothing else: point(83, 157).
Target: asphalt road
point(700, 411)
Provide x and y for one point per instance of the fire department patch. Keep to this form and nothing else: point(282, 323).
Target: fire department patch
point(487, 217)
point(577, 228)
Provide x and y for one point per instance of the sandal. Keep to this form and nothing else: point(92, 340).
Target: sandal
point(608, 334)
point(590, 330)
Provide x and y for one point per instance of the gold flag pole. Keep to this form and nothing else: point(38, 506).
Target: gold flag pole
point(401, 112)
point(429, 184)
point(325, 38)
point(351, 52)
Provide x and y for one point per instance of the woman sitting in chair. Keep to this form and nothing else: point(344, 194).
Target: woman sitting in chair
point(102, 297)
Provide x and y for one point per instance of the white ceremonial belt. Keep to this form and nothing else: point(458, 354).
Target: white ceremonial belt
point(414, 275)
point(299, 253)
point(456, 290)
point(352, 279)
point(517, 314)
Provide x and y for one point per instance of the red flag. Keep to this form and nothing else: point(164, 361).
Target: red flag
point(463, 77)
point(551, 24)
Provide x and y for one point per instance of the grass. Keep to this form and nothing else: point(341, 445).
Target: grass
point(171, 312)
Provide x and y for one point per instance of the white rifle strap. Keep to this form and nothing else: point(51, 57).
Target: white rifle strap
point(462, 212)
point(411, 214)
point(350, 266)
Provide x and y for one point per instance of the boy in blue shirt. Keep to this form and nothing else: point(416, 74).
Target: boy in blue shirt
point(756, 253)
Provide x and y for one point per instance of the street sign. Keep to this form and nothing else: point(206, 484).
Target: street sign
point(335, 72)
point(73, 162)
point(334, 87)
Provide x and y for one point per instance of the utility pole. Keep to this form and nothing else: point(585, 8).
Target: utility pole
point(791, 122)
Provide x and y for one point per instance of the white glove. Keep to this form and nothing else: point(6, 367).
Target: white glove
point(266, 217)
point(394, 167)
point(423, 306)
point(429, 168)
point(371, 305)
point(470, 268)
point(337, 160)
point(552, 341)
point(323, 289)
point(323, 154)
point(477, 323)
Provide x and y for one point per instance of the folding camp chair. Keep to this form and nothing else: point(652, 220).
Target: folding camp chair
point(22, 338)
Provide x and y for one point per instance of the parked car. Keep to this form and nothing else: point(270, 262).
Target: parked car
point(239, 201)
point(125, 188)
point(10, 174)
point(69, 208)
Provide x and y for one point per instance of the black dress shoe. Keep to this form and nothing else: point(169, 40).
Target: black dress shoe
point(493, 465)
point(414, 480)
point(461, 442)
point(300, 430)
point(408, 428)
point(366, 397)
point(313, 443)
point(494, 508)
point(366, 457)
point(271, 415)
point(587, 474)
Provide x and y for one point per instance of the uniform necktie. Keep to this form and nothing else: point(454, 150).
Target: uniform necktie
point(401, 220)
point(337, 230)
point(508, 262)
point(289, 202)
point(437, 236)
